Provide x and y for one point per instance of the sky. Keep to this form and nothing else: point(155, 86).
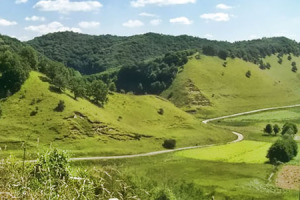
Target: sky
point(227, 20)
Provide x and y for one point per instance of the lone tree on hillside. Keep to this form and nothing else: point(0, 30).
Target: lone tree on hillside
point(276, 129)
point(268, 129)
point(294, 69)
point(60, 106)
point(248, 74)
point(289, 129)
point(289, 57)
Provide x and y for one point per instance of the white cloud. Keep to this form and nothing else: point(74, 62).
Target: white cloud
point(155, 22)
point(20, 1)
point(223, 6)
point(144, 14)
point(35, 18)
point(143, 3)
point(216, 17)
point(181, 20)
point(51, 28)
point(209, 36)
point(91, 24)
point(4, 22)
point(133, 23)
point(65, 6)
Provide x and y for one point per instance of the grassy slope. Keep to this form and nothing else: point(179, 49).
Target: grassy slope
point(230, 91)
point(128, 124)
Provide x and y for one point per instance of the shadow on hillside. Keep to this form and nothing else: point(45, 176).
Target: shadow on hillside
point(44, 79)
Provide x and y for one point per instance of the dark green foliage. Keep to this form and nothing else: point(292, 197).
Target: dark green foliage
point(29, 57)
point(169, 144)
point(294, 64)
point(223, 54)
point(276, 129)
point(225, 64)
point(283, 150)
point(78, 87)
point(294, 69)
point(60, 106)
point(289, 129)
point(248, 74)
point(289, 57)
point(209, 51)
point(98, 91)
point(161, 111)
point(280, 60)
point(0, 111)
point(92, 54)
point(151, 77)
point(268, 129)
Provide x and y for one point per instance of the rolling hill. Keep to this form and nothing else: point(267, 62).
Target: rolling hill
point(127, 124)
point(209, 89)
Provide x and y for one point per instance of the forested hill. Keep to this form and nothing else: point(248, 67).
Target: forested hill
point(92, 54)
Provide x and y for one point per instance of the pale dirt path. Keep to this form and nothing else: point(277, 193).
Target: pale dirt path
point(240, 137)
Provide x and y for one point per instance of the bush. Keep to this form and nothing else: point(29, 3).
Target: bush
point(169, 144)
point(268, 129)
point(294, 69)
point(248, 74)
point(276, 129)
point(289, 128)
point(283, 150)
point(160, 111)
point(60, 106)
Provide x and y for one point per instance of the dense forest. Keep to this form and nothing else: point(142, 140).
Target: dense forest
point(92, 54)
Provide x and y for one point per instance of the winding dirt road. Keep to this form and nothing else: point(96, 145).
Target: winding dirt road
point(240, 137)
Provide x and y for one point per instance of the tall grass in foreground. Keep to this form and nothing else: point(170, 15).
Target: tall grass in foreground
point(50, 177)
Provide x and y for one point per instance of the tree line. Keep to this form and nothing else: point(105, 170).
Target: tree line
point(93, 54)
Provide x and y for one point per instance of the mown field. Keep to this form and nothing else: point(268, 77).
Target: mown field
point(242, 152)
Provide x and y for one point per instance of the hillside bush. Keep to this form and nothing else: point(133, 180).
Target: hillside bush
point(169, 144)
point(60, 106)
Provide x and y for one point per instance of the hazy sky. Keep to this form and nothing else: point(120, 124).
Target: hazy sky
point(229, 20)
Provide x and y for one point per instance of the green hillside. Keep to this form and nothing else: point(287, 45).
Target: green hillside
point(209, 89)
point(91, 54)
point(127, 124)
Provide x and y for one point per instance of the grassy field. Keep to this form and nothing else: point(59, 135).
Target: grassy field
point(212, 90)
point(241, 152)
point(224, 180)
point(127, 124)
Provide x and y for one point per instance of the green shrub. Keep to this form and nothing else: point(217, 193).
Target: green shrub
point(283, 150)
point(169, 144)
point(60, 106)
point(289, 128)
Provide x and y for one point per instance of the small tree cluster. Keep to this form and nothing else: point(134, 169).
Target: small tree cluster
point(269, 129)
point(283, 150)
